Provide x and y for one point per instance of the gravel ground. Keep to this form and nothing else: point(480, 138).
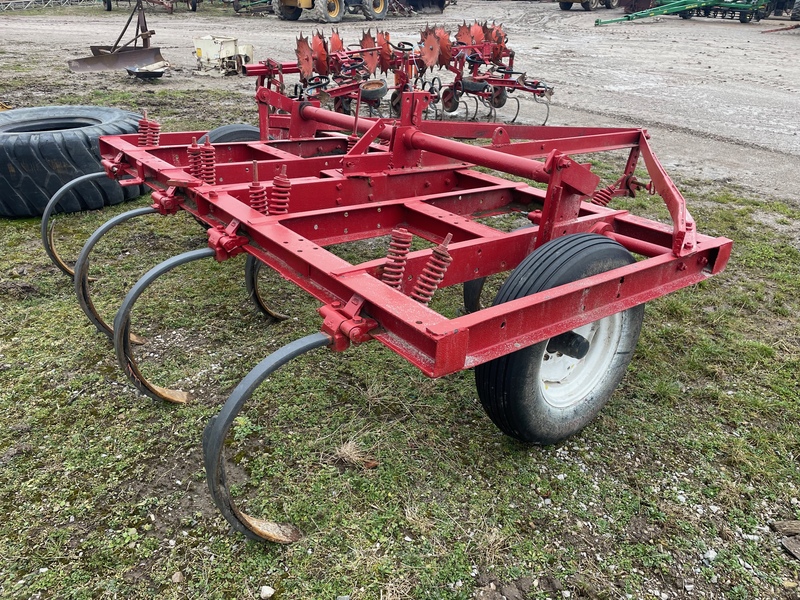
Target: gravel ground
point(720, 98)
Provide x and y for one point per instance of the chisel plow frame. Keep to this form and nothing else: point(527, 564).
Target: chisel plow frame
point(311, 178)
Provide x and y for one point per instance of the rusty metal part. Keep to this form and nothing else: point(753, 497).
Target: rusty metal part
point(372, 55)
point(429, 48)
point(464, 34)
point(305, 58)
point(445, 46)
point(319, 47)
point(337, 45)
point(216, 432)
point(385, 54)
point(122, 56)
point(478, 32)
point(252, 268)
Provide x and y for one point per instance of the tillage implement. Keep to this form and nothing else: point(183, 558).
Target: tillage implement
point(550, 349)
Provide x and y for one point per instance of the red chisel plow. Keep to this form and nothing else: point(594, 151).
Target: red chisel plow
point(550, 349)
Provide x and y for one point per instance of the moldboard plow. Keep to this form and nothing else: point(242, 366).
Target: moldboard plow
point(550, 350)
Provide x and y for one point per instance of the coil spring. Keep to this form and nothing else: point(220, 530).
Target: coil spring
point(258, 193)
point(195, 162)
point(396, 257)
point(281, 190)
point(208, 159)
point(352, 140)
point(433, 273)
point(603, 197)
point(149, 132)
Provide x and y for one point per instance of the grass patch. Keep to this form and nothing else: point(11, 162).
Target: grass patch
point(403, 487)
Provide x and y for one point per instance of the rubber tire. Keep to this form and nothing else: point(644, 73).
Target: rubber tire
point(286, 13)
point(373, 12)
point(468, 84)
point(565, 5)
point(369, 91)
point(591, 5)
point(450, 99)
point(324, 15)
point(193, 5)
point(518, 408)
point(343, 105)
point(686, 14)
point(44, 148)
point(499, 97)
point(107, 5)
point(610, 4)
point(235, 132)
point(745, 16)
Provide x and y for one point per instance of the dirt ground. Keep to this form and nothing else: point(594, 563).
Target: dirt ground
point(721, 99)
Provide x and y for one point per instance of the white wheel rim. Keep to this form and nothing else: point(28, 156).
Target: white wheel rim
point(565, 381)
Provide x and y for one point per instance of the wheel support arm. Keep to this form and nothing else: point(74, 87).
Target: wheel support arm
point(217, 430)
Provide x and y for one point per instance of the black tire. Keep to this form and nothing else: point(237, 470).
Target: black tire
point(468, 84)
point(565, 5)
point(237, 6)
point(745, 16)
point(512, 389)
point(107, 5)
point(374, 89)
point(686, 14)
point(590, 5)
point(609, 4)
point(450, 99)
point(44, 148)
point(329, 11)
point(235, 132)
point(193, 5)
point(286, 13)
point(375, 10)
point(499, 96)
point(343, 105)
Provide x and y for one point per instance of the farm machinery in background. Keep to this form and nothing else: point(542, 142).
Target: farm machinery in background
point(743, 10)
point(333, 11)
point(478, 65)
point(590, 4)
point(549, 351)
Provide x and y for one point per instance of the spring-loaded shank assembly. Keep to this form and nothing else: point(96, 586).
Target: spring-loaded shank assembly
point(317, 178)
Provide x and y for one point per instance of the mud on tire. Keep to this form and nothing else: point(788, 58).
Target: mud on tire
point(43, 148)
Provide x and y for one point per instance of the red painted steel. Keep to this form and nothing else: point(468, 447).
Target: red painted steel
point(323, 189)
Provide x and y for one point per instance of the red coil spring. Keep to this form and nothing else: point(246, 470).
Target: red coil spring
point(208, 167)
point(396, 257)
point(258, 193)
point(195, 162)
point(603, 197)
point(352, 140)
point(149, 132)
point(281, 190)
point(433, 273)
point(154, 135)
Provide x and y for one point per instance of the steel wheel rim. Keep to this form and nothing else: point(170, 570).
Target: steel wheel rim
point(565, 381)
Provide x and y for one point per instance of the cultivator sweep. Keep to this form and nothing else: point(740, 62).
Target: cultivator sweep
point(547, 354)
point(478, 61)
